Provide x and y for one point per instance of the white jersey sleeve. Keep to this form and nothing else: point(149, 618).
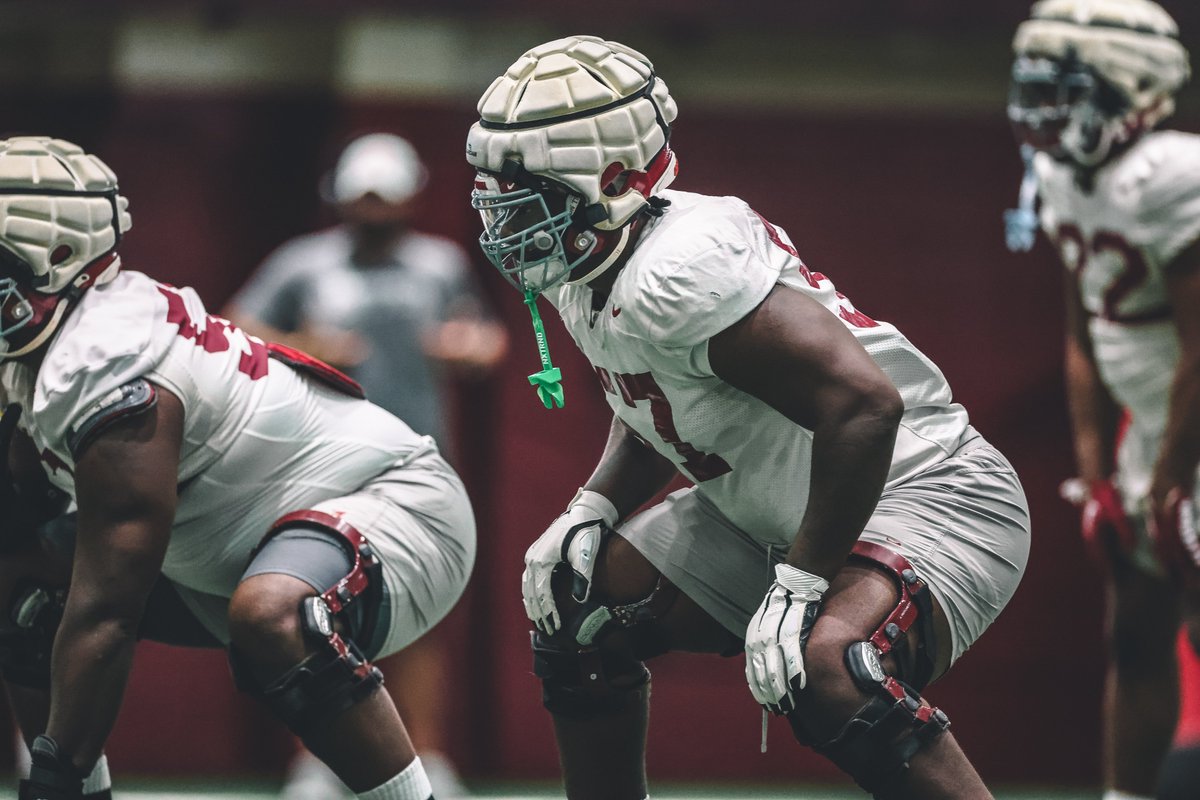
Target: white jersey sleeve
point(1168, 218)
point(695, 292)
point(108, 341)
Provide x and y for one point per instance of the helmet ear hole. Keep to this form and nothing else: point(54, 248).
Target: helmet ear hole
point(61, 254)
point(1109, 101)
point(612, 180)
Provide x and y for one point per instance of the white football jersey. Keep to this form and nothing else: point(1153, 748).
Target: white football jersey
point(704, 265)
point(260, 440)
point(1117, 237)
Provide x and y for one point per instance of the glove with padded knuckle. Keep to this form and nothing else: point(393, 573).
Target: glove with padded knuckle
point(572, 539)
point(777, 634)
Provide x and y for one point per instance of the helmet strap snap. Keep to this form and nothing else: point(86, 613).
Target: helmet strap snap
point(610, 258)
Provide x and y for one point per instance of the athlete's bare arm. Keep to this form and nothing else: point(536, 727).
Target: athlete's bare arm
point(1092, 410)
point(126, 492)
point(630, 472)
point(794, 355)
point(1180, 453)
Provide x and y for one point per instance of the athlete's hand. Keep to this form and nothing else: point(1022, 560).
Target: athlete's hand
point(1176, 534)
point(573, 539)
point(777, 634)
point(1107, 530)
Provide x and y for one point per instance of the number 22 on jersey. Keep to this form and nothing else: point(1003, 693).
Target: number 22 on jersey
point(1079, 254)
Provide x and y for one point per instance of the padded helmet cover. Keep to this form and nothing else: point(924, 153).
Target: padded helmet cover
point(579, 111)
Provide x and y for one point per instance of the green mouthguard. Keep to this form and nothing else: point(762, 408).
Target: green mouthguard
point(549, 380)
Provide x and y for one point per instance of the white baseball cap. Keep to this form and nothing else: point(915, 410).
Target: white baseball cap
point(379, 163)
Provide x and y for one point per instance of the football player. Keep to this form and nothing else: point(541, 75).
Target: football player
point(1120, 200)
point(228, 493)
point(846, 528)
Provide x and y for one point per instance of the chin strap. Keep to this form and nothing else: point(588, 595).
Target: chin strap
point(43, 335)
point(549, 380)
point(100, 271)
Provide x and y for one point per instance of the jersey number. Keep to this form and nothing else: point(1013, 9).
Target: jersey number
point(845, 309)
point(215, 336)
point(642, 386)
point(1075, 250)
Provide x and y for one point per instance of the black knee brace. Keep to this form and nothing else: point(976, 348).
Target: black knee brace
point(337, 676)
point(877, 743)
point(586, 671)
point(27, 635)
point(317, 690)
point(585, 681)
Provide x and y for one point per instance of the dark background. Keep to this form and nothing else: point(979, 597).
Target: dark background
point(873, 132)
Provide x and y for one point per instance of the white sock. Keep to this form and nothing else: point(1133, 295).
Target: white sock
point(410, 784)
point(1117, 794)
point(99, 779)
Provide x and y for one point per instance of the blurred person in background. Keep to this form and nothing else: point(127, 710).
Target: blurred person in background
point(228, 493)
point(398, 311)
point(847, 528)
point(1092, 82)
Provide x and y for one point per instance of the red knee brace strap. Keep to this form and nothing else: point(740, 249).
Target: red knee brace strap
point(330, 680)
point(915, 606)
point(364, 578)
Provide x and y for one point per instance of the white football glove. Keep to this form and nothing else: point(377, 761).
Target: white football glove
point(573, 538)
point(776, 636)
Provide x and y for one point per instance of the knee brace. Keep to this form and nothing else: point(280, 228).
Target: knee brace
point(877, 743)
point(587, 672)
point(585, 681)
point(914, 607)
point(27, 635)
point(337, 676)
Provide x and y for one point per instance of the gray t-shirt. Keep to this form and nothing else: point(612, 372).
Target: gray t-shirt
point(313, 280)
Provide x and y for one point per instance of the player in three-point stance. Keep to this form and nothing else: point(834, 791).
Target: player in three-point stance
point(847, 528)
point(228, 493)
point(1121, 202)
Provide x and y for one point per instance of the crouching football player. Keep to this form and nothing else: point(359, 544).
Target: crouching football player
point(228, 492)
point(847, 526)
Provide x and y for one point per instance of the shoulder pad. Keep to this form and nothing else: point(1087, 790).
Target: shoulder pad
point(116, 335)
point(701, 273)
point(1167, 186)
point(124, 401)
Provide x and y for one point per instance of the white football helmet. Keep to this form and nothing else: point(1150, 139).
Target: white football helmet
point(1092, 74)
point(61, 218)
point(572, 143)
